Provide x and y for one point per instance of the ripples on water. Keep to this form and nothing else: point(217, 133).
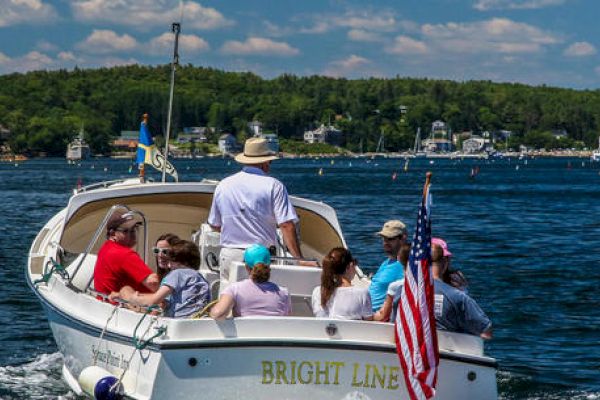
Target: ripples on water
point(526, 239)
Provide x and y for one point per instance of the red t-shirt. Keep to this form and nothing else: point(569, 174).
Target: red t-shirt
point(119, 266)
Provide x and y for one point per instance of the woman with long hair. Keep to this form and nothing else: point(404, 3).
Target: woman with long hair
point(336, 297)
point(255, 295)
point(161, 249)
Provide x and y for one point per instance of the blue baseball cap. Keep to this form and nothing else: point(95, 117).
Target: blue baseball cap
point(257, 254)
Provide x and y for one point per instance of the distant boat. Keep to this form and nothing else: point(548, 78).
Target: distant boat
point(596, 153)
point(78, 149)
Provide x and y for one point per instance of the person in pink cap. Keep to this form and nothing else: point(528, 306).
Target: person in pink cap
point(454, 310)
point(451, 276)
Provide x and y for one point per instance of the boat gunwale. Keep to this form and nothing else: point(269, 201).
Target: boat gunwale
point(232, 342)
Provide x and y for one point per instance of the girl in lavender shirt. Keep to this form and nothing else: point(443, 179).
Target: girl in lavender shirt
point(255, 295)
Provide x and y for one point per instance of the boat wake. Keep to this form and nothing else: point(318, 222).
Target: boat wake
point(38, 379)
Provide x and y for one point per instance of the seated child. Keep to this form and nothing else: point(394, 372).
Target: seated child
point(183, 289)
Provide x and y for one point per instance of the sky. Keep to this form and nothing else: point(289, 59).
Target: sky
point(535, 42)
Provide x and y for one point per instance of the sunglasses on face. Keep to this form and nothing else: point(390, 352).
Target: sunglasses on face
point(389, 239)
point(159, 250)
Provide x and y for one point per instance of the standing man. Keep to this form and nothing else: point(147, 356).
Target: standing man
point(394, 234)
point(248, 207)
point(118, 264)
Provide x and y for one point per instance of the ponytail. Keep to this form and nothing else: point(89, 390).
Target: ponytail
point(260, 273)
point(334, 266)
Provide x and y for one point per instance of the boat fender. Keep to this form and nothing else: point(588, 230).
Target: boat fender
point(98, 383)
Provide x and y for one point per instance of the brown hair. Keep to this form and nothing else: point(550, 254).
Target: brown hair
point(437, 253)
point(170, 238)
point(260, 273)
point(185, 253)
point(334, 266)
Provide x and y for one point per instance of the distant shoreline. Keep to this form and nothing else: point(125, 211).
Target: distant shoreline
point(348, 154)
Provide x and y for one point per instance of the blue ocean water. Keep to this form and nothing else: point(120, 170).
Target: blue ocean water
point(524, 232)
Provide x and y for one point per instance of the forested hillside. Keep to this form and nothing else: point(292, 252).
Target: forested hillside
point(44, 110)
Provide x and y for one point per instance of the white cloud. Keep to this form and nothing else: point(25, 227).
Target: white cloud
point(580, 49)
point(497, 35)
point(359, 35)
point(485, 5)
point(44, 45)
point(188, 43)
point(348, 66)
point(31, 61)
point(4, 58)
point(381, 21)
point(66, 56)
point(105, 41)
point(407, 45)
point(259, 46)
point(14, 12)
point(144, 13)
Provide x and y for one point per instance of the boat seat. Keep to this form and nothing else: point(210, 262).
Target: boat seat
point(85, 273)
point(299, 281)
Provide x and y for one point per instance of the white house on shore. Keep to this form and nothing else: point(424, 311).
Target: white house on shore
point(324, 134)
point(228, 144)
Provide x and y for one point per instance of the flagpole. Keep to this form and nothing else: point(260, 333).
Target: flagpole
point(175, 28)
point(142, 166)
point(427, 183)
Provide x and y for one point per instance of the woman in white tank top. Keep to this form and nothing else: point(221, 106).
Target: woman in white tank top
point(336, 297)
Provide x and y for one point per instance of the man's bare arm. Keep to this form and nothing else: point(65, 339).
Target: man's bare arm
point(288, 229)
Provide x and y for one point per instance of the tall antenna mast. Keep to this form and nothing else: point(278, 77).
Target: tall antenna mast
point(175, 28)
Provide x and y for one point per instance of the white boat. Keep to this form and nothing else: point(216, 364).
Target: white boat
point(78, 149)
point(155, 357)
point(596, 153)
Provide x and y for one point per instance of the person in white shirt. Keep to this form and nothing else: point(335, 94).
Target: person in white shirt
point(249, 206)
point(336, 297)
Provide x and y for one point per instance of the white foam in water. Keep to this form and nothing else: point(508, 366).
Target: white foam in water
point(38, 379)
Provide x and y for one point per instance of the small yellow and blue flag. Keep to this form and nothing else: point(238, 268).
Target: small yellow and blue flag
point(147, 153)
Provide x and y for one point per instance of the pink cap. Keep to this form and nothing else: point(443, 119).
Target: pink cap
point(442, 243)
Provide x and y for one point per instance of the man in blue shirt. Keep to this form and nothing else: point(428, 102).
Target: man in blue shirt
point(393, 234)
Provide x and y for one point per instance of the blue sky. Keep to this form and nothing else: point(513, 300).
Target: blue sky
point(552, 42)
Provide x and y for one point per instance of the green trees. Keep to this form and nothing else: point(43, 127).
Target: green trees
point(43, 110)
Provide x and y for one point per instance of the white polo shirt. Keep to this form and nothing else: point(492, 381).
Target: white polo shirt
point(248, 206)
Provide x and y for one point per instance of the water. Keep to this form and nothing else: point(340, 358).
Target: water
point(526, 239)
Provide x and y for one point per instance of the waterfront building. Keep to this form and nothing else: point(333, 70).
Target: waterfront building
point(324, 134)
point(228, 144)
point(126, 142)
point(439, 139)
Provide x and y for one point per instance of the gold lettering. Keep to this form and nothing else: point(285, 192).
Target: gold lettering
point(337, 365)
point(280, 373)
point(393, 378)
point(367, 369)
point(319, 372)
point(379, 377)
point(293, 373)
point(309, 372)
point(267, 370)
point(355, 382)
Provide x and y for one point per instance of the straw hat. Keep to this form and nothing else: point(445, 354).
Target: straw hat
point(256, 151)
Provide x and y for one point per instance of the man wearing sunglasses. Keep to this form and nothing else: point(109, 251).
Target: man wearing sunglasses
point(118, 264)
point(393, 235)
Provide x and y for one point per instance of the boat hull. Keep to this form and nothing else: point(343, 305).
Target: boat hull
point(255, 368)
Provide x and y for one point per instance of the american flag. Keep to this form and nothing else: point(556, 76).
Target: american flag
point(416, 337)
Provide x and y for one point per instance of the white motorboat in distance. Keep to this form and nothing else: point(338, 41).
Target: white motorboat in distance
point(155, 357)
